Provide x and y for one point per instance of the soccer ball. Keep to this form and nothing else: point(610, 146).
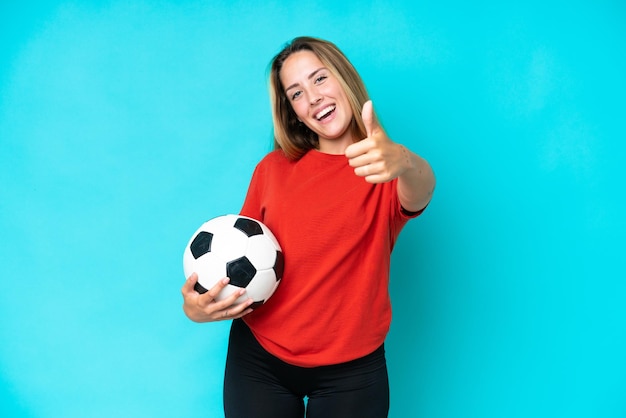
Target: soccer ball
point(238, 247)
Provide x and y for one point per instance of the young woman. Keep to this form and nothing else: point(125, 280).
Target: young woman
point(336, 192)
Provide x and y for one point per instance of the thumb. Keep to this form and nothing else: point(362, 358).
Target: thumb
point(190, 283)
point(369, 118)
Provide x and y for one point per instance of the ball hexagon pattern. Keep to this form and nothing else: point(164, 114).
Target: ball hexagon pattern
point(242, 248)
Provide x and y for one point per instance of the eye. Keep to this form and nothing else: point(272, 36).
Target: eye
point(321, 79)
point(296, 94)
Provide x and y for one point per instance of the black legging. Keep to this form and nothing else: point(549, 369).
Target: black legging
point(259, 385)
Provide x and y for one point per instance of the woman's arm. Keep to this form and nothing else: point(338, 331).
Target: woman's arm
point(378, 159)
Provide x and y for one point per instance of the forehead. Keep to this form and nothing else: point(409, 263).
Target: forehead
point(298, 66)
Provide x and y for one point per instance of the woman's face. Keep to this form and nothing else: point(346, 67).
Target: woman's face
point(318, 100)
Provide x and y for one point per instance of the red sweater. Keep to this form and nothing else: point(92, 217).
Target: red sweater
point(337, 232)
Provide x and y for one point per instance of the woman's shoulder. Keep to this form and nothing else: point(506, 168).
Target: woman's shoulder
point(274, 158)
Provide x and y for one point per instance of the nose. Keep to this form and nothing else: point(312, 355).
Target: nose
point(316, 98)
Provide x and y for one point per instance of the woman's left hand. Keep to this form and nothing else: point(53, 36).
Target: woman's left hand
point(377, 158)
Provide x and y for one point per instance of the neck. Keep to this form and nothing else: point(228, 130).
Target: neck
point(335, 146)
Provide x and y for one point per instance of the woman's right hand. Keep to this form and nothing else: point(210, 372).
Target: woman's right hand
point(204, 308)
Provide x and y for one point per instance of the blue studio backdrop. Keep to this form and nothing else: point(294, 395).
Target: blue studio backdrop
point(126, 124)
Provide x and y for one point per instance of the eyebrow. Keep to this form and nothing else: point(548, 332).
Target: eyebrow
point(309, 77)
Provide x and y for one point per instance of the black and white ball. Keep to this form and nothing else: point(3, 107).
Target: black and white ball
point(238, 247)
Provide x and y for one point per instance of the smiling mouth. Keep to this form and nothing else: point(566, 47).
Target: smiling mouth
point(325, 112)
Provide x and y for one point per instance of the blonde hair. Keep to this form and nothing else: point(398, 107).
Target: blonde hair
point(291, 136)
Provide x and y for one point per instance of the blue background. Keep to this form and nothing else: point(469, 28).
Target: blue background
point(126, 124)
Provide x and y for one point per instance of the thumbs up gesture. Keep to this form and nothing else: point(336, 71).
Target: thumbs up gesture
point(376, 157)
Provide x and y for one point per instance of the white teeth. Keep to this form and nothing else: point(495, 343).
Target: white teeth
point(324, 112)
